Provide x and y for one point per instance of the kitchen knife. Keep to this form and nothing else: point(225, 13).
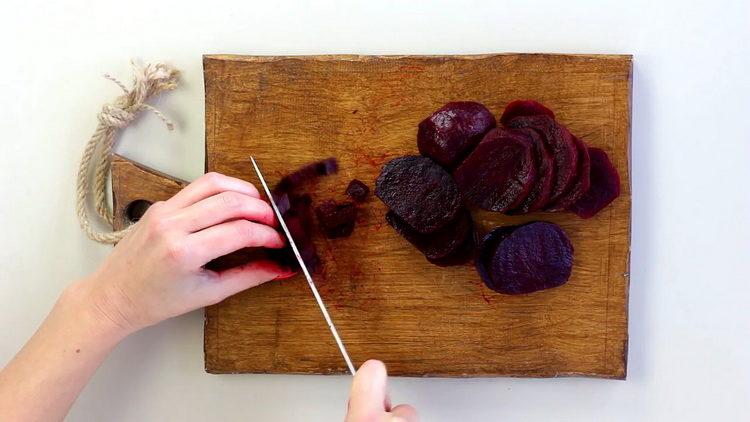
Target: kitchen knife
point(302, 265)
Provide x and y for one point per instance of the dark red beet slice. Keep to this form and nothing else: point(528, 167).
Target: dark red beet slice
point(545, 174)
point(450, 133)
point(524, 108)
point(305, 173)
point(582, 180)
point(605, 185)
point(532, 257)
point(498, 174)
point(461, 255)
point(441, 244)
point(357, 190)
point(336, 218)
point(419, 191)
point(562, 148)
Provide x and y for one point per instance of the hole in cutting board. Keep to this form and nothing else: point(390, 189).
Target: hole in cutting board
point(135, 210)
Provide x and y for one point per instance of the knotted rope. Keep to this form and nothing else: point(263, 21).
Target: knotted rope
point(148, 81)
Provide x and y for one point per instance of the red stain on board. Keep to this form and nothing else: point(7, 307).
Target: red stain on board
point(484, 296)
point(376, 160)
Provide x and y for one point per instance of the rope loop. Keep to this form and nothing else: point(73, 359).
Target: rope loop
point(148, 81)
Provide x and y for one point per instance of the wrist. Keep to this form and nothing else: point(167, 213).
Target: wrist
point(94, 310)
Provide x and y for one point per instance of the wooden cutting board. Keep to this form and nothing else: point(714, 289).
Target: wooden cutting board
point(386, 300)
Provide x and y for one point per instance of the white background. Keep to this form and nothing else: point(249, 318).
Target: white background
point(689, 325)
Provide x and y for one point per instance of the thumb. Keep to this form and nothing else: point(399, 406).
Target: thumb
point(369, 394)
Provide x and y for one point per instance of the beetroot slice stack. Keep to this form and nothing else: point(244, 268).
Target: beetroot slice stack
point(562, 148)
point(419, 191)
point(425, 208)
point(531, 163)
point(605, 186)
point(545, 173)
point(446, 246)
point(524, 259)
point(582, 180)
point(524, 108)
point(498, 174)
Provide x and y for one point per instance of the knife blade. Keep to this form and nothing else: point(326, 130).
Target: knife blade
point(302, 265)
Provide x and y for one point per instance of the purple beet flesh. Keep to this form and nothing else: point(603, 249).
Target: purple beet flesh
point(534, 256)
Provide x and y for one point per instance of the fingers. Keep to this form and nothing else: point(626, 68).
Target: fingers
point(230, 236)
point(237, 279)
point(222, 207)
point(369, 391)
point(404, 413)
point(208, 185)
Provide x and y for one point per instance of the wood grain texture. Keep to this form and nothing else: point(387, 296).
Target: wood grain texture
point(386, 300)
point(132, 182)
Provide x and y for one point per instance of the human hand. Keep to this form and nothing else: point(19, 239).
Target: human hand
point(369, 400)
point(156, 271)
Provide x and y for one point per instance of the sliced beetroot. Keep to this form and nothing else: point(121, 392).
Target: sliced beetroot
point(560, 146)
point(439, 244)
point(357, 190)
point(298, 219)
point(336, 218)
point(486, 248)
point(498, 174)
point(524, 259)
point(305, 173)
point(605, 185)
point(582, 181)
point(419, 191)
point(534, 256)
point(450, 133)
point(524, 108)
point(545, 175)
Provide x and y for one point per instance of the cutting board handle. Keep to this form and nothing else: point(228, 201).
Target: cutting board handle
point(135, 187)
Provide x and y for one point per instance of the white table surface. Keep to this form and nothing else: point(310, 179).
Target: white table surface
point(689, 343)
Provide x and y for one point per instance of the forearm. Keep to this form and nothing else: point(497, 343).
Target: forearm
point(44, 379)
